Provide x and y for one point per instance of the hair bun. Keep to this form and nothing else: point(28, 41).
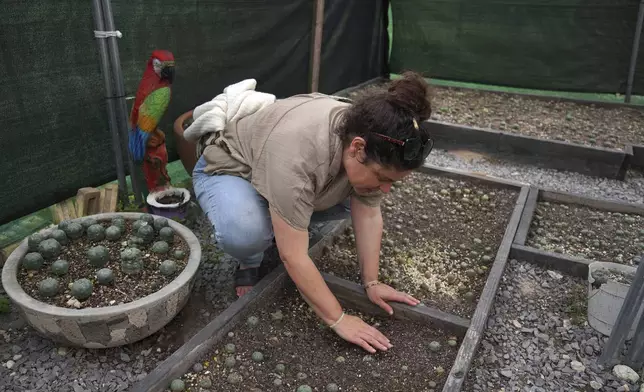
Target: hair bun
point(412, 93)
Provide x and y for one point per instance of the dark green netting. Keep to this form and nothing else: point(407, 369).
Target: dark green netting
point(573, 45)
point(55, 137)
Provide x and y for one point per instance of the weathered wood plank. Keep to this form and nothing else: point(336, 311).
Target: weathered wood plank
point(353, 295)
point(569, 265)
point(526, 216)
point(477, 177)
point(473, 336)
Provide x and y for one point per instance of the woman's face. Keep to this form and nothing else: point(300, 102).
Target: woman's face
point(368, 177)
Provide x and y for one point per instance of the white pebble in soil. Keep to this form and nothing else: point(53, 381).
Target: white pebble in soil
point(631, 190)
point(537, 338)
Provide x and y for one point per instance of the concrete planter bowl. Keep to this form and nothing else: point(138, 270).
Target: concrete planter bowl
point(109, 326)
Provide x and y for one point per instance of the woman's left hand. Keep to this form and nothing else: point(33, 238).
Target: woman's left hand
point(380, 293)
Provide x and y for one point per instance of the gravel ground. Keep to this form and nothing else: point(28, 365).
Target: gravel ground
point(31, 363)
point(565, 121)
point(631, 190)
point(537, 339)
point(586, 232)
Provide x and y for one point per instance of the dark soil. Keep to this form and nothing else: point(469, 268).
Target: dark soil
point(171, 199)
point(440, 237)
point(304, 345)
point(586, 232)
point(123, 289)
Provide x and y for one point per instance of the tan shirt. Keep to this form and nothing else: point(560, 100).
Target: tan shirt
point(291, 155)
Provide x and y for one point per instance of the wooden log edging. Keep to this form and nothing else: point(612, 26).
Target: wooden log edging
point(526, 217)
point(593, 161)
point(473, 176)
point(478, 322)
point(570, 265)
point(637, 158)
point(190, 352)
point(550, 98)
point(353, 295)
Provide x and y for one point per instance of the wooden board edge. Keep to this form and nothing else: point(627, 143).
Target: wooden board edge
point(179, 362)
point(526, 216)
point(472, 339)
point(353, 295)
point(593, 202)
point(480, 177)
point(568, 265)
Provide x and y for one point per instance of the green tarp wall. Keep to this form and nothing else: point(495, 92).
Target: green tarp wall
point(573, 45)
point(54, 135)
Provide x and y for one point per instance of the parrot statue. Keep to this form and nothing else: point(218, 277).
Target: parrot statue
point(146, 141)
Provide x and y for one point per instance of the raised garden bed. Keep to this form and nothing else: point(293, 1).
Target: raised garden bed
point(538, 339)
point(567, 232)
point(559, 135)
point(281, 345)
point(262, 300)
point(587, 124)
point(441, 235)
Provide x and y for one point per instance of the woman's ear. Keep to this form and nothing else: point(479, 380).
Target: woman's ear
point(356, 148)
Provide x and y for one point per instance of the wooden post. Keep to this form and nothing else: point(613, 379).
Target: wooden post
point(316, 45)
point(88, 201)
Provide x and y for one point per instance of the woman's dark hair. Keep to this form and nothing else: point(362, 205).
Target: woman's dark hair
point(391, 111)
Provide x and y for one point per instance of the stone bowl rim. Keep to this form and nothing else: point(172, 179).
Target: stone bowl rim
point(21, 298)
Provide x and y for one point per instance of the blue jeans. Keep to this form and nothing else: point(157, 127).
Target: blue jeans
point(240, 216)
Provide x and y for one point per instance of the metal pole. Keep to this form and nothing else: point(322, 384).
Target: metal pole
point(111, 110)
point(624, 322)
point(634, 52)
point(122, 113)
point(316, 44)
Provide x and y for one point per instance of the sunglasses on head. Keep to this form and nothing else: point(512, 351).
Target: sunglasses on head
point(412, 146)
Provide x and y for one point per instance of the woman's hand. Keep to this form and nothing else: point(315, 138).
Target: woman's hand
point(380, 293)
point(356, 331)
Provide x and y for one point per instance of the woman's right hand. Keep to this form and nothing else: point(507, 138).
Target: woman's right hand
point(356, 331)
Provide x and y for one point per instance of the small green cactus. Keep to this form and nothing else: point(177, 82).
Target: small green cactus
point(179, 254)
point(82, 289)
point(96, 233)
point(32, 261)
point(113, 233)
point(146, 233)
point(49, 249)
point(86, 223)
point(74, 230)
point(160, 247)
point(60, 267)
point(98, 256)
point(167, 234)
point(60, 236)
point(149, 219)
point(168, 267)
point(105, 276)
point(119, 222)
point(34, 240)
point(160, 223)
point(48, 287)
point(131, 263)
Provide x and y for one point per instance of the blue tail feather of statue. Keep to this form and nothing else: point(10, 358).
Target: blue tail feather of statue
point(137, 143)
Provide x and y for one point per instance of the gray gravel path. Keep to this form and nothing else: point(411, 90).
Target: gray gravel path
point(537, 339)
point(631, 190)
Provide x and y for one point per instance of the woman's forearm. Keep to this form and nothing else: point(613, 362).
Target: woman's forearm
point(293, 246)
point(367, 226)
point(313, 288)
